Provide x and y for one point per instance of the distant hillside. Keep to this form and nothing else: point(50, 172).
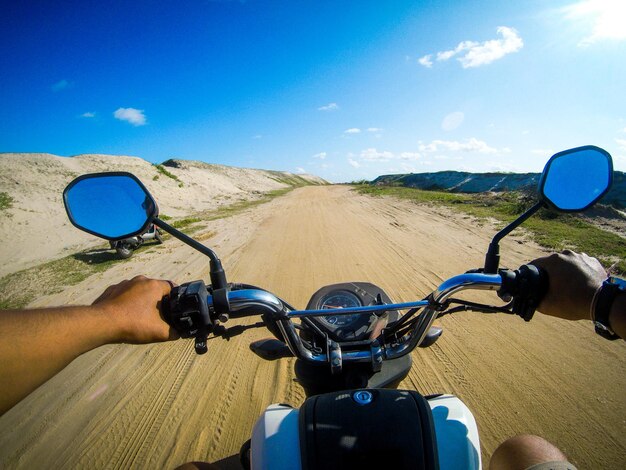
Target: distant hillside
point(462, 182)
point(31, 187)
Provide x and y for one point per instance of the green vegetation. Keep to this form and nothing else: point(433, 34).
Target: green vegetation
point(6, 201)
point(237, 207)
point(291, 180)
point(20, 288)
point(161, 169)
point(550, 229)
point(182, 223)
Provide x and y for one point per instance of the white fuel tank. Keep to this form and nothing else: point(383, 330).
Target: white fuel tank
point(276, 441)
point(458, 445)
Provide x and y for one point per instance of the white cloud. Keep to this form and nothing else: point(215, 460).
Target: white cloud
point(374, 129)
point(257, 136)
point(321, 155)
point(472, 145)
point(474, 54)
point(354, 163)
point(621, 143)
point(605, 18)
point(88, 115)
point(300, 170)
point(463, 46)
point(134, 116)
point(373, 155)
point(61, 85)
point(329, 107)
point(352, 130)
point(452, 121)
point(426, 61)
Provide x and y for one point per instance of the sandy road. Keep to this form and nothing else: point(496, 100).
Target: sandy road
point(158, 406)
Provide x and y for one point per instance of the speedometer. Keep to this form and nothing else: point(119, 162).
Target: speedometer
point(340, 299)
point(343, 328)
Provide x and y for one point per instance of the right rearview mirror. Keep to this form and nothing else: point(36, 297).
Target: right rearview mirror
point(575, 179)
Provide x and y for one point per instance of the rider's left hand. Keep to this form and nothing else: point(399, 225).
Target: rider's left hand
point(134, 306)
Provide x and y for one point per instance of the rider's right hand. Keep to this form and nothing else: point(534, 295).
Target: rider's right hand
point(573, 280)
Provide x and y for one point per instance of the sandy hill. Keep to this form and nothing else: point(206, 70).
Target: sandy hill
point(463, 182)
point(35, 227)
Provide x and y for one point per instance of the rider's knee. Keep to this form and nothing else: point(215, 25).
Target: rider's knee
point(524, 451)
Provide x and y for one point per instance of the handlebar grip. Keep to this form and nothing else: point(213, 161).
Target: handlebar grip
point(186, 310)
point(527, 285)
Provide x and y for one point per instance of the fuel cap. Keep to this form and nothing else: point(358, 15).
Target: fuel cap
point(363, 397)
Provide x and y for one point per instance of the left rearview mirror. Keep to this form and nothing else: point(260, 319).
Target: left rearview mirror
point(109, 205)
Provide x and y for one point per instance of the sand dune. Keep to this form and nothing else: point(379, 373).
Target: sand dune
point(157, 406)
point(35, 229)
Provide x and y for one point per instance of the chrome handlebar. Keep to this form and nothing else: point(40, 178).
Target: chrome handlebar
point(263, 302)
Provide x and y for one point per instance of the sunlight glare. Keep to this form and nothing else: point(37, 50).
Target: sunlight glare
point(608, 17)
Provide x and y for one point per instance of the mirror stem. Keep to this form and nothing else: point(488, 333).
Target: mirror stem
point(218, 277)
point(492, 260)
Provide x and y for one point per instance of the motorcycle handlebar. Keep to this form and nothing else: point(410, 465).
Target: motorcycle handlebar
point(263, 302)
point(190, 305)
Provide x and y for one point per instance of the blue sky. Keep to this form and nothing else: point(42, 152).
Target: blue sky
point(345, 90)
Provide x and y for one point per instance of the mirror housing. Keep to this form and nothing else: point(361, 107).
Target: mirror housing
point(112, 205)
point(575, 179)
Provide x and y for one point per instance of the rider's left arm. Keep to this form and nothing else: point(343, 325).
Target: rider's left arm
point(37, 344)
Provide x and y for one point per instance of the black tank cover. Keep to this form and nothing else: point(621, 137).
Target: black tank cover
point(395, 430)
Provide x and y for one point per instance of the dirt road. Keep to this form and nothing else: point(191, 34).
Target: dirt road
point(158, 406)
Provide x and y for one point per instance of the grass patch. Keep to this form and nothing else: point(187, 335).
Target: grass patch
point(291, 180)
point(550, 229)
point(20, 288)
point(161, 169)
point(6, 201)
point(205, 235)
point(237, 207)
point(182, 223)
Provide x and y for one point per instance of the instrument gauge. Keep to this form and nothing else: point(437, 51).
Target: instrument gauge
point(340, 299)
